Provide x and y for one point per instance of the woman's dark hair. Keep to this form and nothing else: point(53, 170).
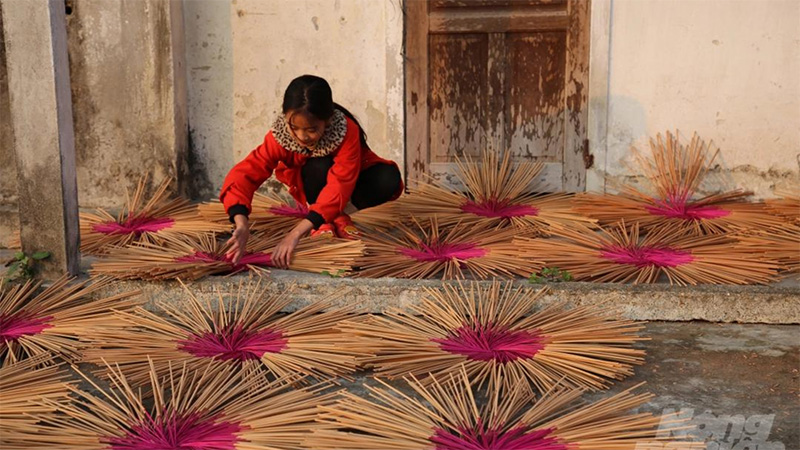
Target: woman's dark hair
point(312, 95)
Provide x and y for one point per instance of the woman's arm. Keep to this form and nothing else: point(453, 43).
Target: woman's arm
point(282, 254)
point(238, 189)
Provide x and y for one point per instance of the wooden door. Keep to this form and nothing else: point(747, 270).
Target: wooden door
point(501, 75)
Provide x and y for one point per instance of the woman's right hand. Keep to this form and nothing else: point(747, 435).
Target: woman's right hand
point(238, 242)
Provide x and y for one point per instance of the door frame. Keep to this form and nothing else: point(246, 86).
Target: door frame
point(577, 156)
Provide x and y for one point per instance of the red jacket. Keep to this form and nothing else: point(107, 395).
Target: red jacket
point(348, 160)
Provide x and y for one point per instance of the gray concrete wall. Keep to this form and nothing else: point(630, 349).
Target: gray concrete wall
point(125, 94)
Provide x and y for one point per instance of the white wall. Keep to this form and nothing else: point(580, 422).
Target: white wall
point(241, 55)
point(727, 69)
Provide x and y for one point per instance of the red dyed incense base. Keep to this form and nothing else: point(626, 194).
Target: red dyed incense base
point(234, 343)
point(679, 207)
point(492, 343)
point(436, 251)
point(14, 326)
point(503, 209)
point(249, 259)
point(481, 438)
point(299, 211)
point(647, 256)
point(134, 225)
point(174, 431)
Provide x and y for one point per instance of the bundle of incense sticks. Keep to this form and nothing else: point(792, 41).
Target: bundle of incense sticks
point(249, 329)
point(191, 259)
point(619, 254)
point(787, 205)
point(425, 250)
point(277, 213)
point(447, 417)
point(142, 220)
point(497, 336)
point(497, 193)
point(675, 174)
point(270, 213)
point(53, 320)
point(781, 244)
point(24, 385)
point(215, 408)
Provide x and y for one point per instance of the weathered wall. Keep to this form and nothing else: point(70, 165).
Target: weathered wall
point(729, 70)
point(241, 59)
point(126, 101)
point(9, 221)
point(8, 175)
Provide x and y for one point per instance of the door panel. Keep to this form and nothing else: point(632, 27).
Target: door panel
point(503, 75)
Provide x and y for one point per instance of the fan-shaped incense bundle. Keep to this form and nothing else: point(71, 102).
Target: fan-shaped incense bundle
point(675, 174)
point(448, 418)
point(143, 221)
point(251, 330)
point(53, 320)
point(424, 251)
point(191, 259)
point(619, 254)
point(497, 193)
point(498, 336)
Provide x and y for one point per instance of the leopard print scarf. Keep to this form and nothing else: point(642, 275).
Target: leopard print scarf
point(331, 139)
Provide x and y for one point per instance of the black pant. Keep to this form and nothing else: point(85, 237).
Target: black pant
point(375, 185)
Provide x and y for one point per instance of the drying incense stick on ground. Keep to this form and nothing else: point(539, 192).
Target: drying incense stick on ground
point(500, 338)
point(780, 244)
point(278, 213)
point(448, 418)
point(37, 321)
point(497, 192)
point(787, 205)
point(674, 175)
point(272, 213)
point(426, 250)
point(249, 330)
point(192, 259)
point(23, 386)
point(619, 254)
point(211, 409)
point(142, 220)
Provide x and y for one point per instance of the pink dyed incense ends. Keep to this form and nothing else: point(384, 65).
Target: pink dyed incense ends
point(671, 197)
point(213, 408)
point(142, 221)
point(192, 259)
point(427, 250)
point(496, 193)
point(271, 213)
point(251, 331)
point(619, 255)
point(53, 321)
point(497, 335)
point(443, 415)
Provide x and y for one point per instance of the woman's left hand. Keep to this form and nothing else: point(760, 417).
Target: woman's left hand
point(282, 254)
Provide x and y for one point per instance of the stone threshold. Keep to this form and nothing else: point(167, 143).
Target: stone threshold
point(774, 304)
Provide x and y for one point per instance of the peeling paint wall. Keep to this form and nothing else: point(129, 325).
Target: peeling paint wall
point(242, 54)
point(729, 70)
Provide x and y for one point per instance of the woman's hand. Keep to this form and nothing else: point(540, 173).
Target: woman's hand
point(238, 242)
point(282, 254)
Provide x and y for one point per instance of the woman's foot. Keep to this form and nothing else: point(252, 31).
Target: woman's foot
point(325, 231)
point(345, 228)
